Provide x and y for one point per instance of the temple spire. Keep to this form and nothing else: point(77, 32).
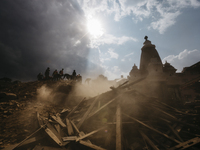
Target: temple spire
point(146, 38)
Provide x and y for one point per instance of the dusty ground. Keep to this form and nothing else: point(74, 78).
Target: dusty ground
point(18, 113)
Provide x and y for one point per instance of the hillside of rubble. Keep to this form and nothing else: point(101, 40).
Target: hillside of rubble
point(19, 102)
point(69, 116)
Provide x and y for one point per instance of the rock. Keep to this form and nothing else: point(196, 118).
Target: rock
point(7, 96)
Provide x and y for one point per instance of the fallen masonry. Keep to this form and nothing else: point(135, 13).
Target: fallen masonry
point(120, 119)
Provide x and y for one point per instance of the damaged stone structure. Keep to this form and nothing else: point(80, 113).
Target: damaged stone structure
point(161, 80)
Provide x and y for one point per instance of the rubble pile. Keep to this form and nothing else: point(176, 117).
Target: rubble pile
point(121, 118)
point(19, 103)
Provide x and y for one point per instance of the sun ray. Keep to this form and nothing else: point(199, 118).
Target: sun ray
point(95, 28)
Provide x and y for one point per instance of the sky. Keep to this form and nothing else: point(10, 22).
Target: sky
point(94, 37)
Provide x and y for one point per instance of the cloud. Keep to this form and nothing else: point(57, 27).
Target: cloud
point(112, 53)
point(162, 13)
point(183, 59)
point(129, 54)
point(165, 22)
point(110, 39)
point(114, 73)
point(40, 34)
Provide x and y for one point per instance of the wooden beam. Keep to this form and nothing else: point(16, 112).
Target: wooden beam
point(91, 145)
point(59, 120)
point(151, 128)
point(170, 107)
point(86, 135)
point(50, 130)
point(80, 133)
point(92, 114)
point(186, 144)
point(118, 128)
point(87, 112)
point(175, 133)
point(75, 127)
point(69, 127)
point(74, 109)
point(165, 113)
point(149, 141)
point(69, 138)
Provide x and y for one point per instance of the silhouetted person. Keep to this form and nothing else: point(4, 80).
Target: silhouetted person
point(61, 72)
point(74, 75)
point(55, 75)
point(47, 73)
point(40, 76)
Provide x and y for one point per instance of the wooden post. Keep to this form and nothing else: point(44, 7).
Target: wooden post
point(118, 128)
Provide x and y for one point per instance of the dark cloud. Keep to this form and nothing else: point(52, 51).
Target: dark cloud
point(36, 34)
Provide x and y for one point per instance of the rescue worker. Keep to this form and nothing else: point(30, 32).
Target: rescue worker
point(55, 75)
point(40, 76)
point(74, 75)
point(61, 73)
point(47, 73)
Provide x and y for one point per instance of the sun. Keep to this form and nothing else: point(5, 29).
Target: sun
point(95, 28)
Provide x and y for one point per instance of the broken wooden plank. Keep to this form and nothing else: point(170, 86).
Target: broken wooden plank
point(175, 133)
point(91, 145)
point(165, 112)
point(53, 134)
point(118, 128)
point(51, 131)
point(75, 127)
point(170, 107)
point(26, 142)
point(69, 127)
point(163, 134)
point(149, 141)
point(87, 112)
point(86, 135)
point(18, 144)
point(186, 144)
point(69, 138)
point(74, 109)
point(59, 120)
point(57, 126)
point(92, 114)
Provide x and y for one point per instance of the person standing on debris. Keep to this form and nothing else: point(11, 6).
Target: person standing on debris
point(74, 75)
point(55, 75)
point(47, 73)
point(40, 76)
point(61, 73)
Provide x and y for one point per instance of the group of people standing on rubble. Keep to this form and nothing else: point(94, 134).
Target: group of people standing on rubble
point(59, 75)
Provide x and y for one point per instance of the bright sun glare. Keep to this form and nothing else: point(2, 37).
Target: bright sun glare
point(94, 28)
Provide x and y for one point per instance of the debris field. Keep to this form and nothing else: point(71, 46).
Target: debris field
point(120, 119)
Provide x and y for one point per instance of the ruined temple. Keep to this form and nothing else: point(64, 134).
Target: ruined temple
point(161, 80)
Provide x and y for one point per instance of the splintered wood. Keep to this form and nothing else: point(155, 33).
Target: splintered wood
point(123, 119)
